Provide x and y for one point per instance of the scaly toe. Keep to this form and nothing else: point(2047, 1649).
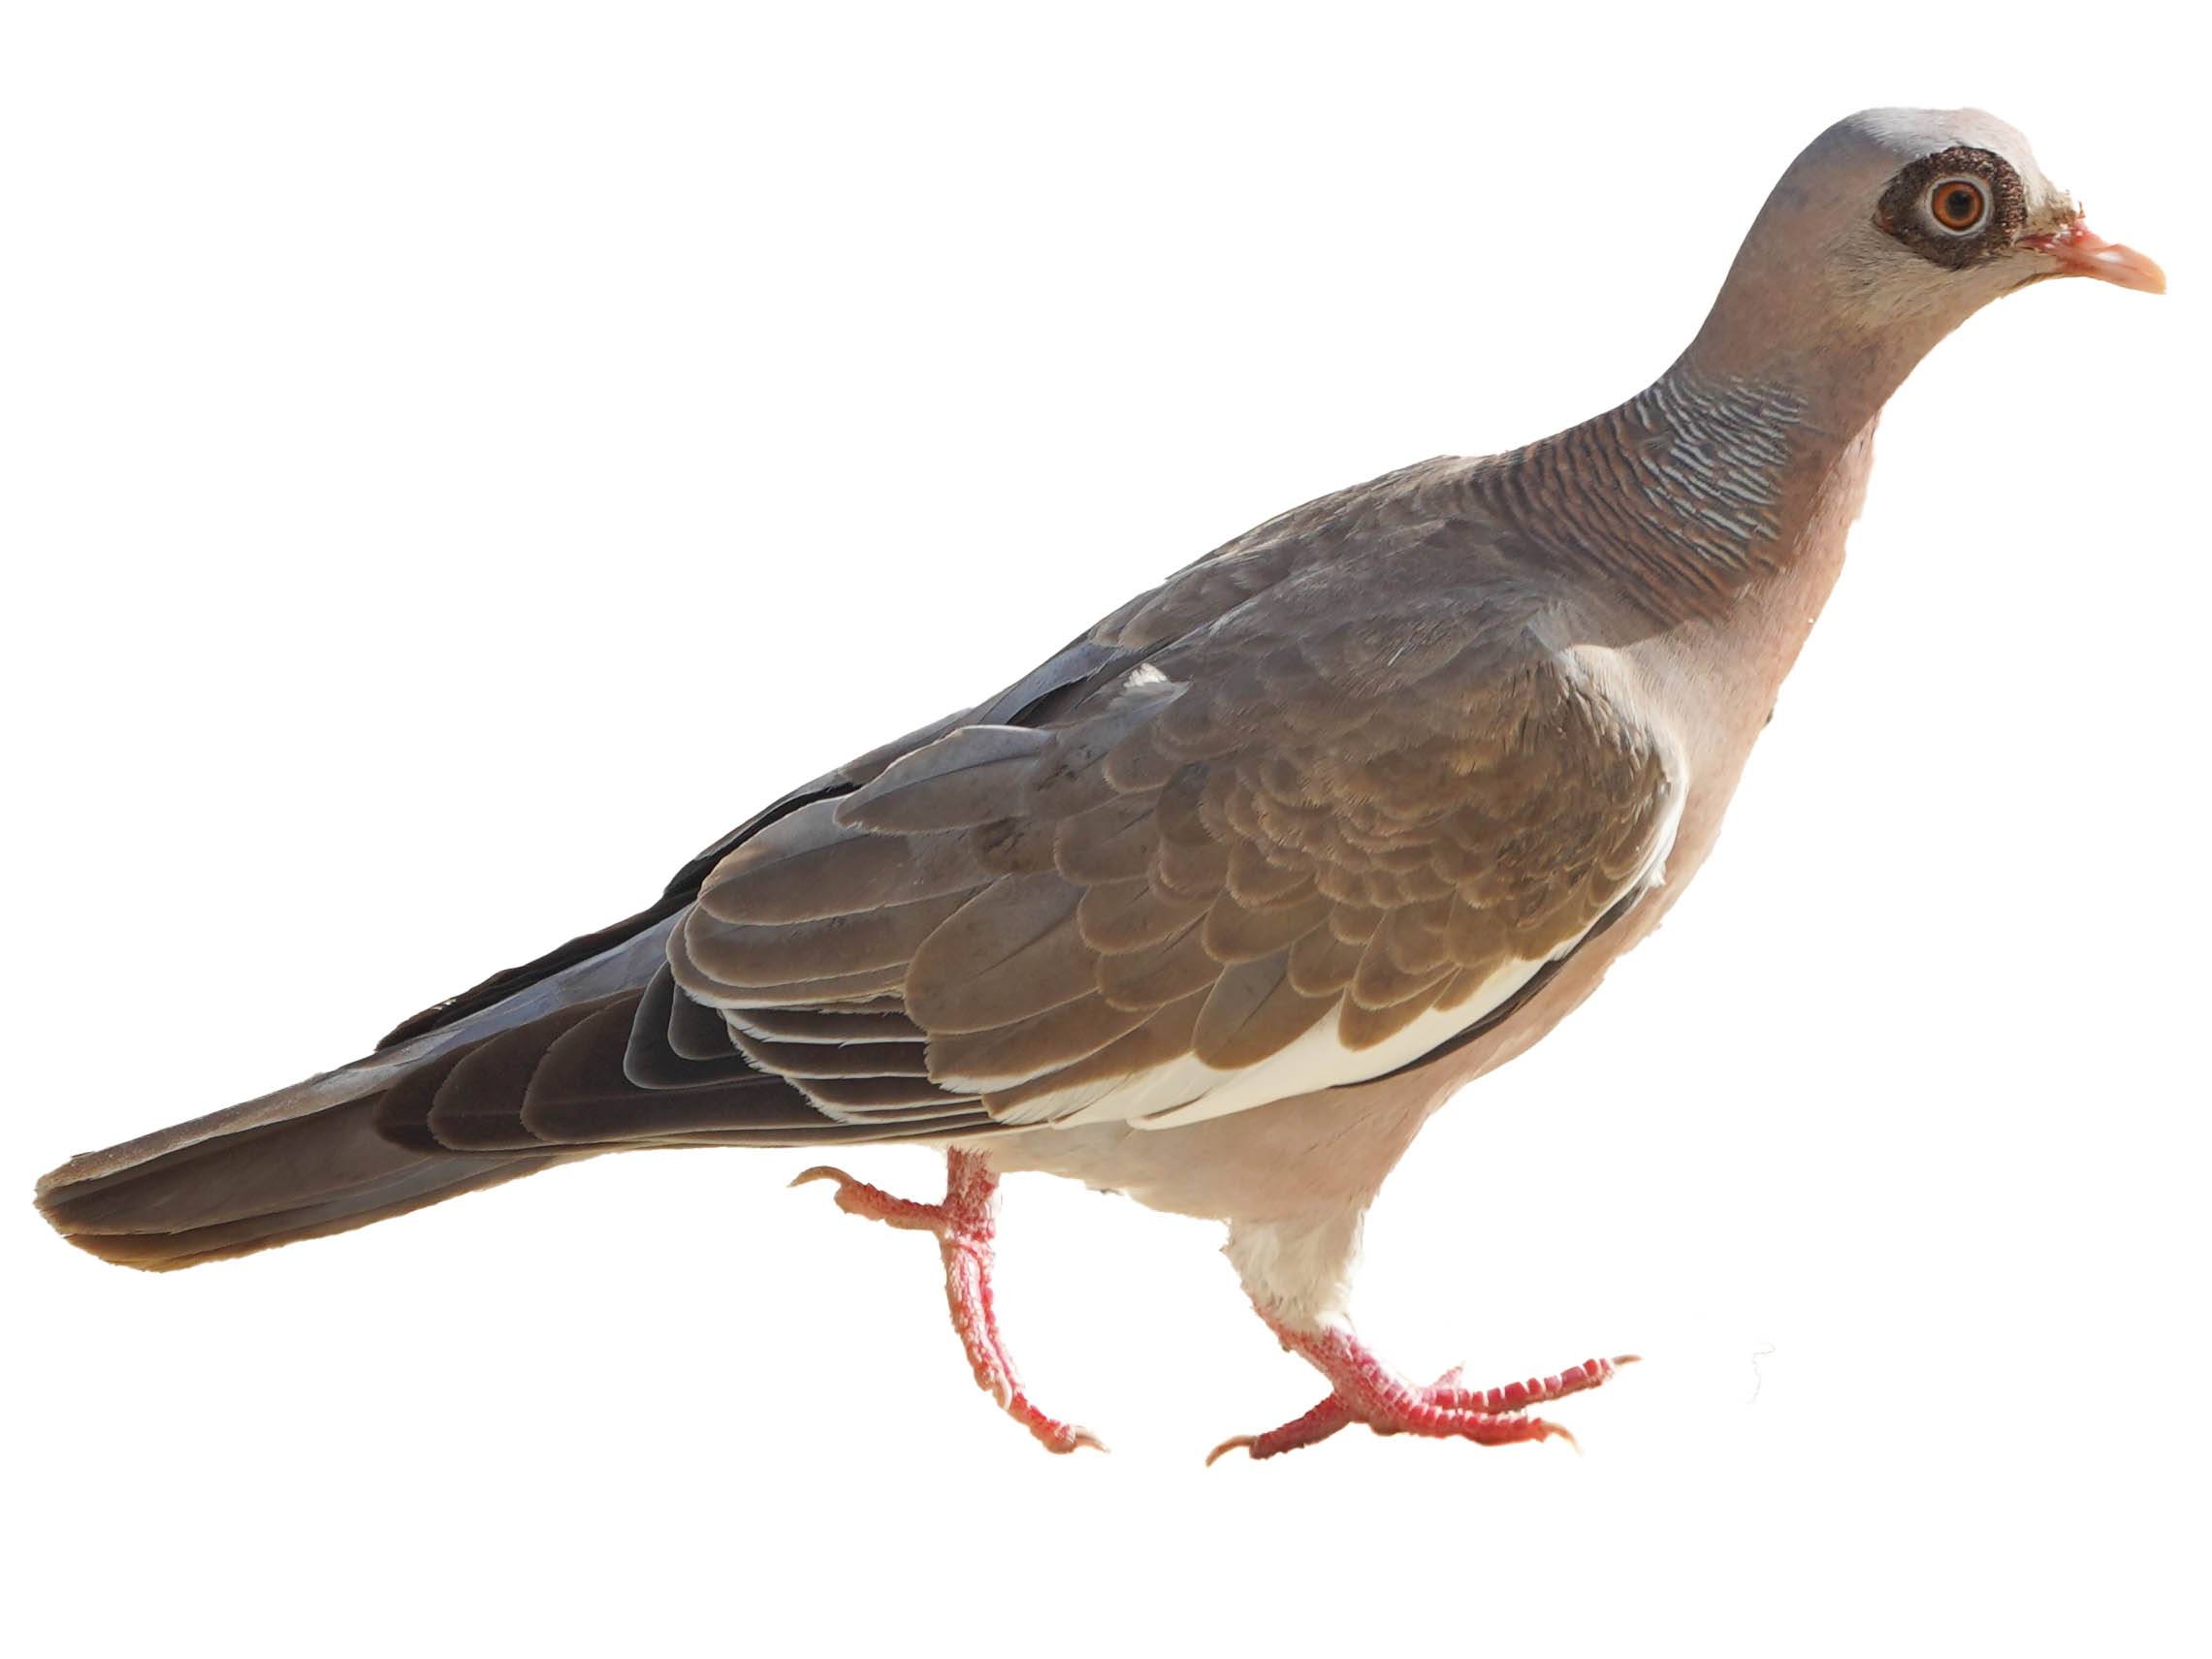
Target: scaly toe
point(858, 1198)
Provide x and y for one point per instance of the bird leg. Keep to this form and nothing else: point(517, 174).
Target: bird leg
point(1362, 1389)
point(963, 1224)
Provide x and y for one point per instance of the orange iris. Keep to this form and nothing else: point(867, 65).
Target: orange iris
point(1958, 203)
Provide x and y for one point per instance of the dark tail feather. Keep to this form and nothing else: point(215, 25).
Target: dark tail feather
point(255, 1188)
point(313, 1159)
point(567, 1067)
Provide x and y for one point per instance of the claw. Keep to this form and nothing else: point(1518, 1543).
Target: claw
point(1234, 1443)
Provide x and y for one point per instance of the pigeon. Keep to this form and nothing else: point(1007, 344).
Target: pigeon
point(1222, 901)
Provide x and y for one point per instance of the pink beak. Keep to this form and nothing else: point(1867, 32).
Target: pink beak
point(2081, 252)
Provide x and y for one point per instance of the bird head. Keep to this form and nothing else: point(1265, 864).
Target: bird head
point(1892, 228)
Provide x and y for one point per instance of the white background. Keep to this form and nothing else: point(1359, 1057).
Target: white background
point(460, 459)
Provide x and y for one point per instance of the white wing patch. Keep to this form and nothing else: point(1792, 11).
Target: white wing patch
point(1188, 1090)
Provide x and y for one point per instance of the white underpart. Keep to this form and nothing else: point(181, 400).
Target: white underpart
point(1300, 1271)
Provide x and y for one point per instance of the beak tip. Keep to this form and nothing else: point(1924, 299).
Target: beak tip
point(2081, 252)
point(2124, 268)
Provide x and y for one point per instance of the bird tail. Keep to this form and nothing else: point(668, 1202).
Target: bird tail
point(226, 1185)
point(332, 1153)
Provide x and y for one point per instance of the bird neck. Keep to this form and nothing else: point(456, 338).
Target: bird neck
point(1704, 488)
point(1685, 498)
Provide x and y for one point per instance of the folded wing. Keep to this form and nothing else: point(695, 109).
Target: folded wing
point(1334, 829)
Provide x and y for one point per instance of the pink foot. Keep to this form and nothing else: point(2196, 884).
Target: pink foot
point(1364, 1391)
point(963, 1225)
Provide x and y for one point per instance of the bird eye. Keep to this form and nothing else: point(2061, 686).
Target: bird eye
point(1958, 205)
